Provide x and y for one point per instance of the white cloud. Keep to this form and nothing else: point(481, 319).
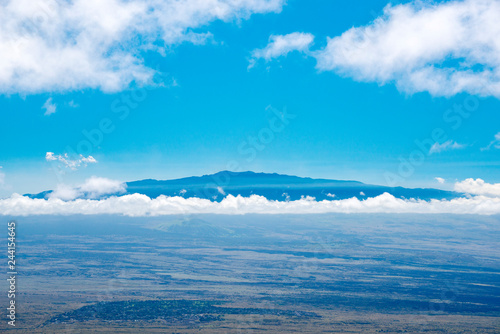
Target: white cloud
point(72, 164)
point(97, 186)
point(54, 45)
point(495, 143)
point(281, 45)
point(49, 107)
point(446, 146)
point(49, 156)
point(93, 187)
point(443, 48)
point(478, 187)
point(440, 180)
point(88, 160)
point(221, 191)
point(65, 193)
point(141, 205)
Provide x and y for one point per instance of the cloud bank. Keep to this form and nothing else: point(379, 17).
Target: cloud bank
point(56, 45)
point(443, 48)
point(99, 195)
point(140, 205)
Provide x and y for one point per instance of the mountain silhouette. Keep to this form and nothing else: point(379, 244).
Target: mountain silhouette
point(270, 185)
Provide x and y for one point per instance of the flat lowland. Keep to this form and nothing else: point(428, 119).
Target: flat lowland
point(258, 274)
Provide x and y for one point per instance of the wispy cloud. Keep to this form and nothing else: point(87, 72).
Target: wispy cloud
point(440, 180)
point(443, 48)
point(281, 45)
point(72, 164)
point(446, 146)
point(72, 104)
point(71, 45)
point(494, 143)
point(49, 106)
point(221, 191)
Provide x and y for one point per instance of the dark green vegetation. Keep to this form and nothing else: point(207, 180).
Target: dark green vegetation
point(170, 310)
point(257, 273)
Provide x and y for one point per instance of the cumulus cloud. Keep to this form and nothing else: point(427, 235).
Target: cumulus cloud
point(478, 187)
point(141, 205)
point(443, 48)
point(281, 45)
point(49, 156)
point(53, 45)
point(49, 107)
point(440, 180)
point(92, 188)
point(97, 186)
point(446, 146)
point(72, 164)
point(65, 192)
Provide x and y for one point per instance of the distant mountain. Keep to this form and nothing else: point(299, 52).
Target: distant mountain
point(272, 186)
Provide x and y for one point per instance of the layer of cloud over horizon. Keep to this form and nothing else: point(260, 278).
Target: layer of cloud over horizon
point(67, 201)
point(141, 205)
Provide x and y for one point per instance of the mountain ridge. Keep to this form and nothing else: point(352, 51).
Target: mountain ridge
point(273, 186)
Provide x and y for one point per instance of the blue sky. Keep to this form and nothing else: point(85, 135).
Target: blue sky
point(200, 111)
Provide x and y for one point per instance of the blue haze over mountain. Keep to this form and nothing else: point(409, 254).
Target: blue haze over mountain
point(272, 186)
